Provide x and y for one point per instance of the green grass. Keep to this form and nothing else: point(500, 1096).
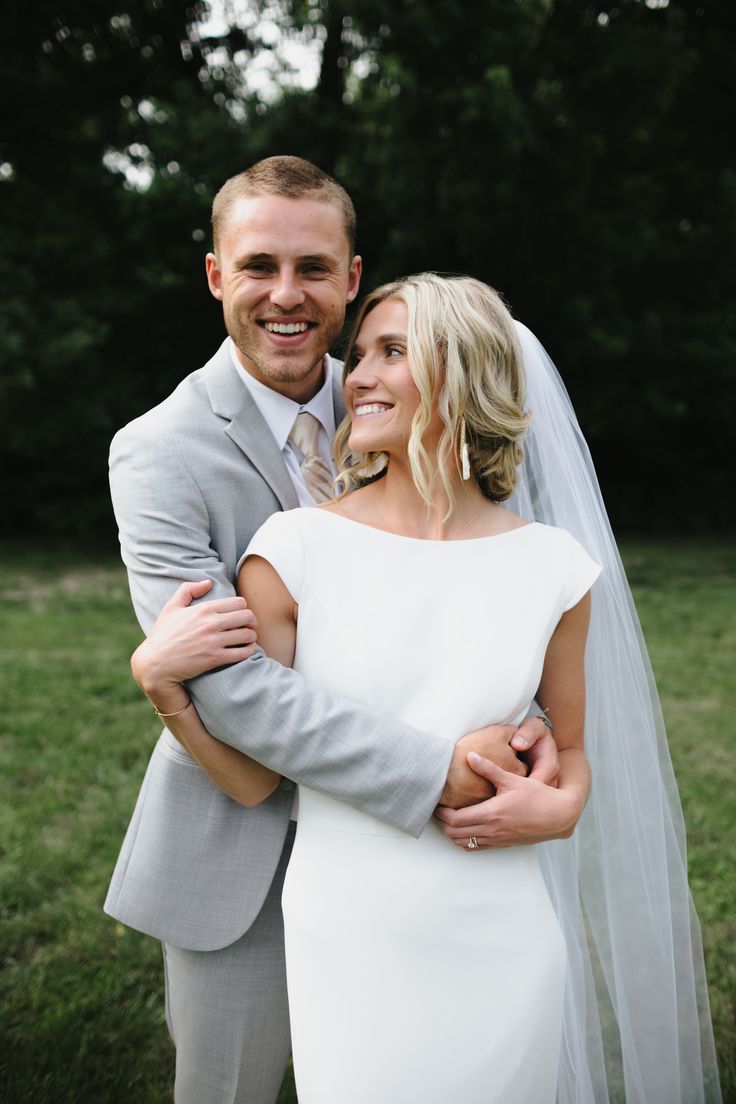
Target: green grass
point(81, 1006)
point(686, 597)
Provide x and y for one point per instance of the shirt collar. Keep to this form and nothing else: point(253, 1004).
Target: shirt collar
point(279, 411)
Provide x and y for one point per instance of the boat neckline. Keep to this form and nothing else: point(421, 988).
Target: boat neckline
point(428, 540)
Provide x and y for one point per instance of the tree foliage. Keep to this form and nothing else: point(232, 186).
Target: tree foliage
point(576, 156)
point(102, 308)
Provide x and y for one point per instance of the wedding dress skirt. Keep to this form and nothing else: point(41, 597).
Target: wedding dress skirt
point(419, 972)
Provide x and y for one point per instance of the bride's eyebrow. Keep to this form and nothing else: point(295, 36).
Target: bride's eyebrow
point(382, 339)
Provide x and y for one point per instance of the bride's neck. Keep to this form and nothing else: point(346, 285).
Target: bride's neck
point(400, 507)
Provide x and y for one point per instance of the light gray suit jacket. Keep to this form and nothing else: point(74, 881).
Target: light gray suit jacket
point(191, 482)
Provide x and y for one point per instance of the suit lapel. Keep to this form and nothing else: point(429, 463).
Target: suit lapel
point(231, 400)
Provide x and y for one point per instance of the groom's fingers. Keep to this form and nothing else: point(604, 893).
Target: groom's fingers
point(187, 592)
point(237, 655)
point(224, 605)
point(236, 637)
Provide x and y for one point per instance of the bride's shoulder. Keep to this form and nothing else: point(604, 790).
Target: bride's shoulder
point(503, 520)
point(559, 546)
point(548, 538)
point(551, 534)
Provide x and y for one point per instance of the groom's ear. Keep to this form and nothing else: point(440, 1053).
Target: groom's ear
point(356, 271)
point(214, 275)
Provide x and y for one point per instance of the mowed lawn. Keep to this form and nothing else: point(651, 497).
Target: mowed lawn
point(81, 1001)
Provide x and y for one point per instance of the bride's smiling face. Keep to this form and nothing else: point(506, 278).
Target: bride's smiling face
point(380, 393)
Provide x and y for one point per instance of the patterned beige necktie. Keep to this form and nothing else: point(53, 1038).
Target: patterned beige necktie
point(317, 476)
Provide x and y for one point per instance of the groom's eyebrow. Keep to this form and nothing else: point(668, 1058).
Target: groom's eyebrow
point(306, 258)
point(246, 258)
point(317, 258)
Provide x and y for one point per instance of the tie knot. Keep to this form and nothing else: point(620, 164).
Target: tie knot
point(305, 434)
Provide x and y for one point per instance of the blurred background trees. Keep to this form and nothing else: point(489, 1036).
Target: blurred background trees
point(577, 156)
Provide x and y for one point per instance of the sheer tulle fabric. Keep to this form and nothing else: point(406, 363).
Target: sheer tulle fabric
point(636, 1024)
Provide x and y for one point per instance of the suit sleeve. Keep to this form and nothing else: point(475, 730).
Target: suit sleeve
point(369, 760)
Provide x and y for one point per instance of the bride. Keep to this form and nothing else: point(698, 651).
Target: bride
point(417, 969)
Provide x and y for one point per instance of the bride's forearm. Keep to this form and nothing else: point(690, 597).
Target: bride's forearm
point(574, 779)
point(240, 777)
point(184, 642)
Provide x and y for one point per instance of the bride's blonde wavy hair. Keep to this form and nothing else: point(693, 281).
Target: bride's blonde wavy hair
point(465, 361)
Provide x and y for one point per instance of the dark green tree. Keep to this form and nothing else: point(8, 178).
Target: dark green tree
point(576, 156)
point(102, 307)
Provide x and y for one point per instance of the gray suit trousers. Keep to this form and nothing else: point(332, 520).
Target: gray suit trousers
point(227, 1011)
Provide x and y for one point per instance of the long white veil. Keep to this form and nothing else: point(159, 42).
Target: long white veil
point(637, 1023)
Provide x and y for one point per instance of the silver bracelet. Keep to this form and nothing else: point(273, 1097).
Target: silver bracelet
point(545, 720)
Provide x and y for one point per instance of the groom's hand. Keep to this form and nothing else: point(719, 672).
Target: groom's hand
point(465, 786)
point(500, 743)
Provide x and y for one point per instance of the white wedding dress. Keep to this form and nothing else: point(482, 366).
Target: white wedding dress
point(419, 972)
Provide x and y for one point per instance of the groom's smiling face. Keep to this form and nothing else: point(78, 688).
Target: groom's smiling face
point(284, 274)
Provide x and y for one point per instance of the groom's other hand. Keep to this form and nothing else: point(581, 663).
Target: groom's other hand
point(465, 786)
point(500, 743)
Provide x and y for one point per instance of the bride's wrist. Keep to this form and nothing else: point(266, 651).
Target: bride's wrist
point(571, 802)
point(169, 701)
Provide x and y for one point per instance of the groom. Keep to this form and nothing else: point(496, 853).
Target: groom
point(191, 481)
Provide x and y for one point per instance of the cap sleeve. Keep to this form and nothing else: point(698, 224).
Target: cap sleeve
point(580, 573)
point(279, 540)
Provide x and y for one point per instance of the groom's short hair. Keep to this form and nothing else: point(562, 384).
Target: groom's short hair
point(291, 177)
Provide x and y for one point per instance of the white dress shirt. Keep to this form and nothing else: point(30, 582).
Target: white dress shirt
point(279, 414)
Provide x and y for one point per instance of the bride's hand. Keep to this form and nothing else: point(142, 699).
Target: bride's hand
point(538, 748)
point(187, 640)
point(524, 811)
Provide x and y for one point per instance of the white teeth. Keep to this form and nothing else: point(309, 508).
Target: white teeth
point(286, 327)
point(370, 408)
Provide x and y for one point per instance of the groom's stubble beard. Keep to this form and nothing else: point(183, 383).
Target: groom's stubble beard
point(279, 366)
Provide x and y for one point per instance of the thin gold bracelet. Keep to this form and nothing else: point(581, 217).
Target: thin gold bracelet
point(155, 710)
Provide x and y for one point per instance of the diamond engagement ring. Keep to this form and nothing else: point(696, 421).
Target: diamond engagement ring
point(472, 843)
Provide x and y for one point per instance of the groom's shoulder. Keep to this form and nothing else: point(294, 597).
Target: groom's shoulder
point(182, 411)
